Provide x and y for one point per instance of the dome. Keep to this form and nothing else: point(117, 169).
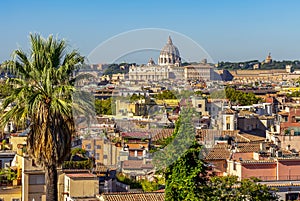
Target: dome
point(150, 62)
point(169, 55)
point(169, 48)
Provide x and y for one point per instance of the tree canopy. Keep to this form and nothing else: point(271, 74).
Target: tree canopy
point(166, 94)
point(229, 188)
point(104, 107)
point(42, 91)
point(241, 98)
point(186, 175)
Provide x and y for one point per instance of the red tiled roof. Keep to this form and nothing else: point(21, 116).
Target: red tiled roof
point(126, 196)
point(136, 134)
point(136, 164)
point(81, 175)
point(161, 134)
point(229, 111)
point(219, 151)
point(246, 137)
point(248, 147)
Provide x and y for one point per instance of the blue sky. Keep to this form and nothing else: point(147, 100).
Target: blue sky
point(228, 30)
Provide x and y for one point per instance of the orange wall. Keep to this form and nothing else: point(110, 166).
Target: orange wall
point(289, 169)
point(265, 171)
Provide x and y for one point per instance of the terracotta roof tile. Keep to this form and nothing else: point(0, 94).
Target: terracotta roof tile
point(126, 196)
point(158, 134)
point(229, 111)
point(245, 137)
point(136, 164)
point(248, 147)
point(243, 113)
point(136, 134)
point(219, 151)
point(81, 175)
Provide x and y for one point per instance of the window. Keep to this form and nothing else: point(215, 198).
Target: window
point(88, 146)
point(15, 199)
point(37, 179)
point(105, 156)
point(98, 147)
point(33, 163)
point(97, 156)
point(228, 126)
point(68, 185)
point(199, 105)
point(234, 165)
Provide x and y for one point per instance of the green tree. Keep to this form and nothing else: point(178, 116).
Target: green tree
point(229, 188)
point(5, 90)
point(185, 172)
point(166, 94)
point(154, 185)
point(3, 144)
point(104, 107)
point(241, 98)
point(42, 93)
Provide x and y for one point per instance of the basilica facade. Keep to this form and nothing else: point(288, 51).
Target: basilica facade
point(169, 67)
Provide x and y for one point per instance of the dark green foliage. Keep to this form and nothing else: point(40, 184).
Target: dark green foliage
point(185, 172)
point(78, 151)
point(198, 93)
point(186, 175)
point(7, 175)
point(149, 186)
point(241, 98)
point(104, 107)
point(5, 90)
point(294, 94)
point(186, 178)
point(117, 68)
point(135, 97)
point(245, 65)
point(42, 92)
point(229, 188)
point(131, 182)
point(84, 161)
point(86, 164)
point(237, 65)
point(166, 94)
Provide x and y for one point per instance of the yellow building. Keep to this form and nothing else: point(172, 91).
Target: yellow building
point(169, 102)
point(103, 150)
point(33, 181)
point(11, 193)
point(80, 186)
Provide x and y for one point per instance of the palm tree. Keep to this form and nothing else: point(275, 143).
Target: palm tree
point(42, 95)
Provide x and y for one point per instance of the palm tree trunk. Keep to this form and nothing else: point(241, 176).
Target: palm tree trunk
point(51, 182)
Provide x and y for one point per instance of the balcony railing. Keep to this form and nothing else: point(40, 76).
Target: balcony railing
point(280, 178)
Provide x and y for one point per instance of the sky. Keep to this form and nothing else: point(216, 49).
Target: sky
point(227, 30)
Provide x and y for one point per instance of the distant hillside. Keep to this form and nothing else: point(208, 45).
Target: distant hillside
point(118, 68)
point(247, 65)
